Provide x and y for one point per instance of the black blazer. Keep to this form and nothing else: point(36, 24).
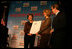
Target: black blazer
point(27, 27)
point(59, 22)
point(59, 34)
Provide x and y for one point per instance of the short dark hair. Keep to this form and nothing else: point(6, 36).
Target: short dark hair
point(31, 15)
point(56, 6)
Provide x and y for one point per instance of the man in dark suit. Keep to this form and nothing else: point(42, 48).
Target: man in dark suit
point(59, 27)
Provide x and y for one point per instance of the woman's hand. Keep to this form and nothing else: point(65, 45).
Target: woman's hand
point(43, 21)
point(37, 34)
point(29, 34)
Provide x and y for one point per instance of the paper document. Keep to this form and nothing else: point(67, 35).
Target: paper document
point(35, 27)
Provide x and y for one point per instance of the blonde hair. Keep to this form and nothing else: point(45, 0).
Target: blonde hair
point(55, 6)
point(47, 11)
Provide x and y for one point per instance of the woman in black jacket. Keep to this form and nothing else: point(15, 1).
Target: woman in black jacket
point(29, 38)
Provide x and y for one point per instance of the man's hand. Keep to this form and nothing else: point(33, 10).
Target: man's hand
point(52, 30)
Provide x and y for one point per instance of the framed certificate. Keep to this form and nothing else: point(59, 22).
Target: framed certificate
point(35, 27)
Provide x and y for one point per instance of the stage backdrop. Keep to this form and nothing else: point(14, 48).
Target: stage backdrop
point(17, 17)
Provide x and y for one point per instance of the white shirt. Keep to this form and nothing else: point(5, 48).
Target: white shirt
point(57, 12)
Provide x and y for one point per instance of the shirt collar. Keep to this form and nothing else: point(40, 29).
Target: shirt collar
point(57, 12)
